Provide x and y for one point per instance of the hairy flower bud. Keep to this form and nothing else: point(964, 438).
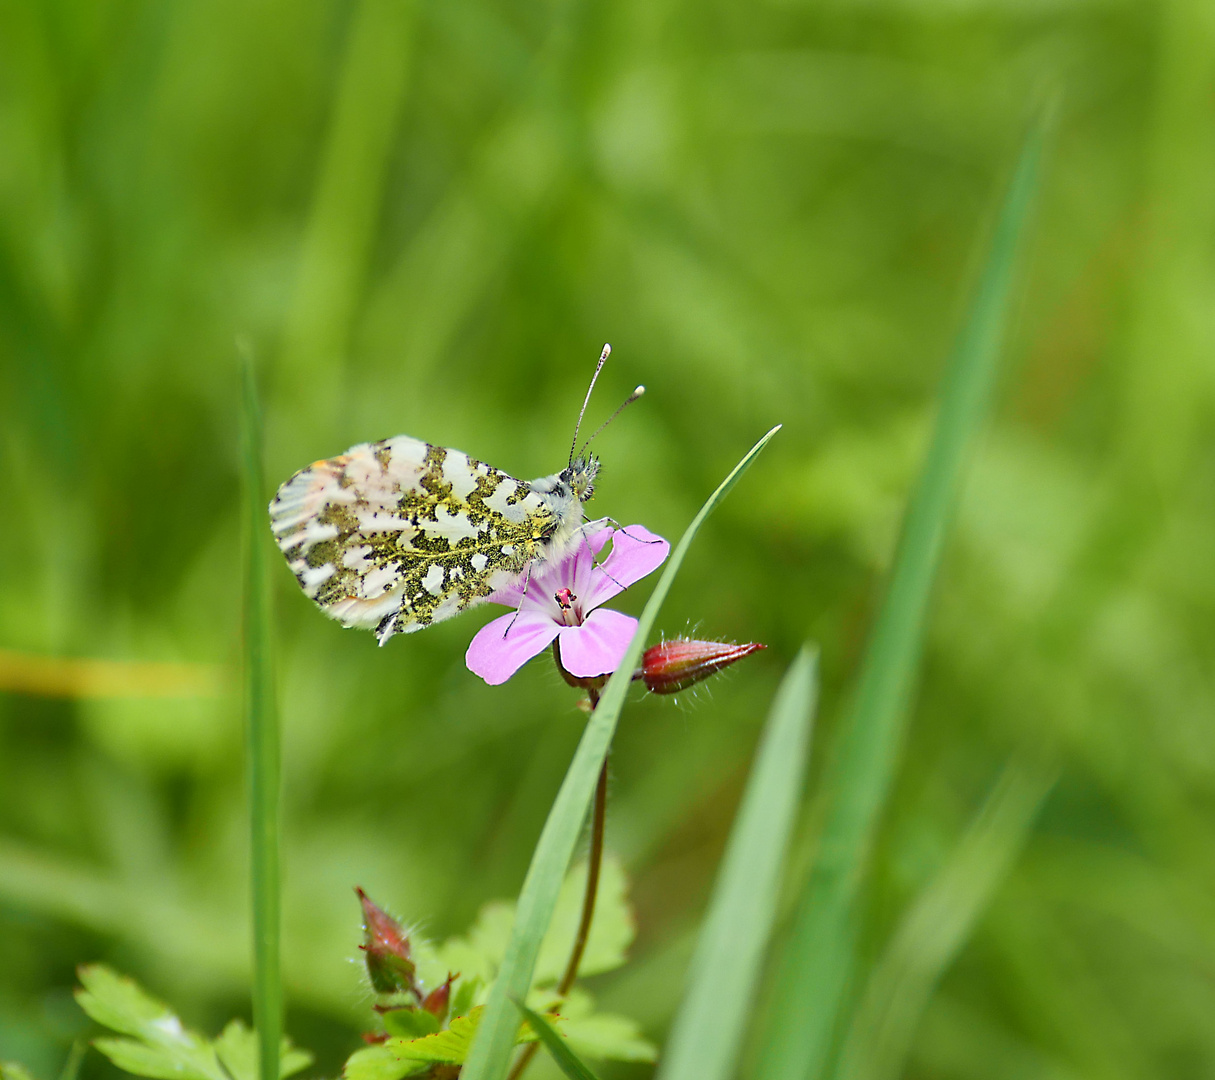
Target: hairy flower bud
point(672, 666)
point(386, 950)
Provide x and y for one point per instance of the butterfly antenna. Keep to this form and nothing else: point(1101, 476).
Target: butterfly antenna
point(607, 351)
point(623, 405)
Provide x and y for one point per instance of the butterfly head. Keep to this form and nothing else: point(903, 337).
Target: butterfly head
point(580, 476)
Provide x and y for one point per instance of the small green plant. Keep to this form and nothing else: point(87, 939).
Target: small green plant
point(428, 1000)
point(430, 997)
point(154, 1042)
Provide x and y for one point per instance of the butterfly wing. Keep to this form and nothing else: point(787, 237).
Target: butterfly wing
point(399, 534)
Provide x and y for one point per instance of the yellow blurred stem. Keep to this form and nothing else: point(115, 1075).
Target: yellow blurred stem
point(75, 677)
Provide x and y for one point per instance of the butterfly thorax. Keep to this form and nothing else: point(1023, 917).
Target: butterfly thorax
point(564, 493)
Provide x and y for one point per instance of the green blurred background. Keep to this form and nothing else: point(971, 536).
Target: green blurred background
point(426, 217)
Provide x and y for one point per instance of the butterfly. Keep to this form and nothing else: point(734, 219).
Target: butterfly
point(399, 534)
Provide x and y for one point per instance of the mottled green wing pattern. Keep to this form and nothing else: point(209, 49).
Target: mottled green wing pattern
point(399, 534)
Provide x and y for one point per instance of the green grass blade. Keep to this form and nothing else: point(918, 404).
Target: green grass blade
point(711, 1021)
point(937, 925)
point(71, 1065)
point(263, 743)
point(812, 979)
point(567, 1061)
point(369, 95)
point(495, 1039)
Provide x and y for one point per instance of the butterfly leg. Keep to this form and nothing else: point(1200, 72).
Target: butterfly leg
point(527, 578)
point(619, 528)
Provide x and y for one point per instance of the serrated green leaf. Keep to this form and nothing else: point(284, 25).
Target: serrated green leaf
point(480, 954)
point(612, 932)
point(477, 955)
point(381, 1062)
point(407, 1023)
point(396, 1058)
point(162, 1047)
point(10, 1070)
point(565, 1058)
point(609, 1036)
point(144, 1060)
point(464, 994)
point(119, 1003)
point(237, 1047)
point(165, 1047)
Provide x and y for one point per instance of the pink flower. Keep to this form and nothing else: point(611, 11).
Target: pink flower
point(563, 601)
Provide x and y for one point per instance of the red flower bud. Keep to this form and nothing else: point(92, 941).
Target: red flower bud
point(675, 665)
point(437, 1000)
point(386, 949)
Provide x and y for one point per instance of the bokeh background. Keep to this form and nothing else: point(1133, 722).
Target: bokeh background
point(426, 216)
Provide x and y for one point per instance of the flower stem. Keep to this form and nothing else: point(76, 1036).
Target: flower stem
point(592, 883)
point(594, 864)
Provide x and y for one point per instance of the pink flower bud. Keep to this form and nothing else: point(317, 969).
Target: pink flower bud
point(675, 665)
point(386, 949)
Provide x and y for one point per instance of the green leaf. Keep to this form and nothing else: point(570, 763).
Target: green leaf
point(710, 1024)
point(463, 995)
point(162, 1046)
point(609, 1036)
point(381, 1062)
point(612, 932)
point(490, 1055)
point(817, 962)
point(143, 1059)
point(565, 1058)
point(262, 735)
point(937, 925)
point(407, 1023)
point(237, 1047)
point(396, 1058)
point(10, 1070)
point(479, 955)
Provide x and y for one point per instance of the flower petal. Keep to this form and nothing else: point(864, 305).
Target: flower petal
point(635, 552)
point(499, 648)
point(598, 533)
point(597, 646)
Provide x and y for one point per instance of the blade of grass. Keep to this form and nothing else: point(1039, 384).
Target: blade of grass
point(812, 979)
point(711, 1021)
point(567, 1061)
point(263, 743)
point(71, 1065)
point(369, 96)
point(937, 925)
point(491, 1049)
